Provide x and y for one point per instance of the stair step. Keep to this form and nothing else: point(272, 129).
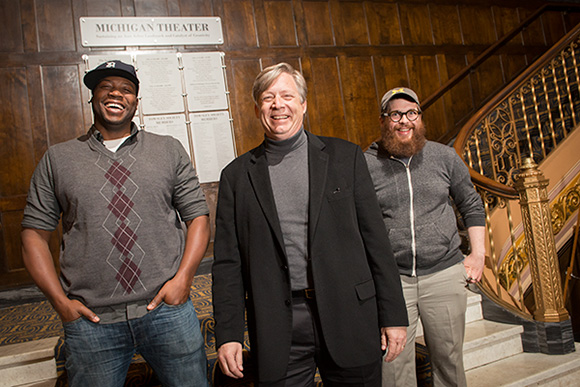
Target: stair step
point(474, 311)
point(527, 369)
point(488, 341)
point(28, 364)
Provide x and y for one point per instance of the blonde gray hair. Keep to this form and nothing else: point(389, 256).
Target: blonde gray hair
point(269, 75)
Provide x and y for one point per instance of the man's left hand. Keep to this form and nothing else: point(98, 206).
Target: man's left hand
point(474, 267)
point(393, 339)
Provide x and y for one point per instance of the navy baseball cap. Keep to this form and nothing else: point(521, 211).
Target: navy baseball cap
point(109, 69)
point(398, 92)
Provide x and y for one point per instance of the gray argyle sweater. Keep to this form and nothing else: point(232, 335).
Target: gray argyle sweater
point(121, 213)
point(416, 207)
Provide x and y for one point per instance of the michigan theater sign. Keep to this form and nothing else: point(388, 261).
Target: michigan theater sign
point(148, 31)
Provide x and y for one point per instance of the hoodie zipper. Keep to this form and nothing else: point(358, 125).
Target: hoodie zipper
point(411, 214)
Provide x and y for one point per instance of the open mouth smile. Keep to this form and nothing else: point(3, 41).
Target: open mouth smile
point(114, 106)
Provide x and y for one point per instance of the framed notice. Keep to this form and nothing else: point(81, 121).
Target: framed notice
point(171, 125)
point(212, 137)
point(204, 80)
point(159, 78)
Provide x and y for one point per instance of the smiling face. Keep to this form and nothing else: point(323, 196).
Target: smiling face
point(280, 109)
point(404, 138)
point(114, 105)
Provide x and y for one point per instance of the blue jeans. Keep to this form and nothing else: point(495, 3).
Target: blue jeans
point(168, 338)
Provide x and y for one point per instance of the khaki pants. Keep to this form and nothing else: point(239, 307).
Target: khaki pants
point(440, 300)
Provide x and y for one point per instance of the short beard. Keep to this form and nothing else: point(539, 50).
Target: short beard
point(394, 147)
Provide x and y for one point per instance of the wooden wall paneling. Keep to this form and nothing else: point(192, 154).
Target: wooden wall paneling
point(29, 26)
point(534, 33)
point(360, 99)
point(109, 8)
point(16, 143)
point(38, 128)
point(151, 8)
point(281, 24)
point(460, 104)
point(477, 25)
point(261, 23)
point(571, 19)
point(416, 24)
point(554, 27)
point(127, 8)
point(12, 271)
point(197, 8)
point(247, 130)
point(383, 22)
point(447, 107)
point(10, 27)
point(487, 79)
point(55, 36)
point(390, 72)
point(446, 25)
point(352, 23)
point(326, 112)
point(424, 74)
point(174, 8)
point(506, 20)
point(513, 65)
point(300, 18)
point(18, 162)
point(425, 79)
point(238, 24)
point(62, 98)
point(318, 25)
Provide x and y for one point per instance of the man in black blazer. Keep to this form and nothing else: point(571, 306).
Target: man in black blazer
point(300, 245)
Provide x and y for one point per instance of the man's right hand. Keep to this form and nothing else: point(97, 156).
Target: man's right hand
point(74, 309)
point(38, 261)
point(230, 359)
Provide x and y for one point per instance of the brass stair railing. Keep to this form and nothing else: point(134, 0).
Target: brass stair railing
point(527, 120)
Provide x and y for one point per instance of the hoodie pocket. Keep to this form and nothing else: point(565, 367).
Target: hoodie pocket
point(433, 242)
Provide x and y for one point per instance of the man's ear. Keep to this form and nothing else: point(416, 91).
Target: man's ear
point(257, 111)
point(305, 106)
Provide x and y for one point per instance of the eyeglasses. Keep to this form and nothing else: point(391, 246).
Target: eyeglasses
point(396, 115)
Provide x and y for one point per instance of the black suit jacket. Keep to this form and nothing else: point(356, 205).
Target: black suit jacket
point(355, 277)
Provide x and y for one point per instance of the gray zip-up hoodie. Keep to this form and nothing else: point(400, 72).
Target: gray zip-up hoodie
point(416, 206)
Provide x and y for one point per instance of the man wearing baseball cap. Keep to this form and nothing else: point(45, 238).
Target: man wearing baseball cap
point(126, 262)
point(414, 179)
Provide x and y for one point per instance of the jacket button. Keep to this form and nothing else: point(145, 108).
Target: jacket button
point(288, 302)
point(284, 267)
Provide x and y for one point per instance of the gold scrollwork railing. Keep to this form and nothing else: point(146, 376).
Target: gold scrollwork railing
point(529, 118)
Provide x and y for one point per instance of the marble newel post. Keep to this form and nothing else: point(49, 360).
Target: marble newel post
point(553, 323)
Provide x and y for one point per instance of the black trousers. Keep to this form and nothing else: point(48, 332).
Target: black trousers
point(308, 352)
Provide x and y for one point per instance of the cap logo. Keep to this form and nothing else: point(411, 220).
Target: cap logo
point(110, 65)
point(395, 91)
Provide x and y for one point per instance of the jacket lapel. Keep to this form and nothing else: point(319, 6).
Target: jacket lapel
point(260, 180)
point(318, 170)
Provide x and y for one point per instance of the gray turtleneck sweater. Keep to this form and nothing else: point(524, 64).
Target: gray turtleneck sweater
point(288, 168)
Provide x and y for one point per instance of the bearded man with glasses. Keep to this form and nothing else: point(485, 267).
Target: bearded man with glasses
point(414, 179)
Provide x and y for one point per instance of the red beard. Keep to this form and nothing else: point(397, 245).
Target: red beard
point(395, 147)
